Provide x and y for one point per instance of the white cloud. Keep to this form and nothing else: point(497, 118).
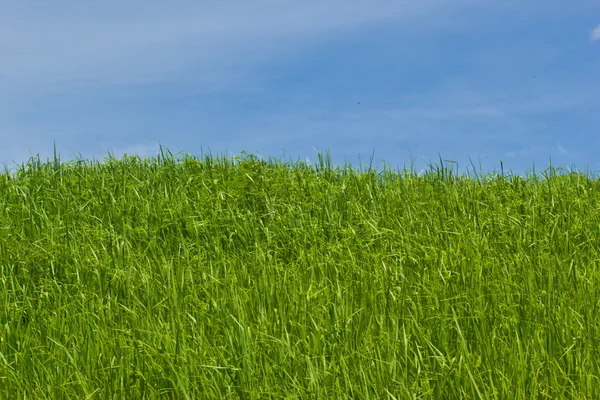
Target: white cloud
point(527, 151)
point(561, 149)
point(140, 41)
point(595, 34)
point(541, 149)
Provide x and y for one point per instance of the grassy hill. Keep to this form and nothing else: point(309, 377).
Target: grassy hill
point(245, 279)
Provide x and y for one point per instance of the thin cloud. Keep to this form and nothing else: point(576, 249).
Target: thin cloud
point(123, 43)
point(595, 34)
point(563, 151)
point(526, 151)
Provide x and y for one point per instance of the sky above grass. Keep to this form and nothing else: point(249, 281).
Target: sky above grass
point(479, 81)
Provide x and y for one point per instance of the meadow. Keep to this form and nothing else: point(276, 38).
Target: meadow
point(239, 278)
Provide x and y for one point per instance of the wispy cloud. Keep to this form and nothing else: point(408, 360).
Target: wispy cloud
point(143, 41)
point(528, 151)
point(564, 151)
point(595, 34)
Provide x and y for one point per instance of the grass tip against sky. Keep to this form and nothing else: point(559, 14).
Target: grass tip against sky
point(487, 81)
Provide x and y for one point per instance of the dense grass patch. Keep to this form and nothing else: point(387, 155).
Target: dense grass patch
point(240, 278)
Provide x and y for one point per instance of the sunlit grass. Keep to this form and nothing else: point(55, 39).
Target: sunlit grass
point(240, 278)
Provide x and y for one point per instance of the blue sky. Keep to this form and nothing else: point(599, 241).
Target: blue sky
point(485, 80)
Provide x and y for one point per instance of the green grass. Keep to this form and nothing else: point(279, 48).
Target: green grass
point(245, 279)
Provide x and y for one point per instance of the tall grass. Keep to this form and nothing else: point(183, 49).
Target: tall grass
point(244, 279)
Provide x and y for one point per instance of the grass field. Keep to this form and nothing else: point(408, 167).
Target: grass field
point(213, 277)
